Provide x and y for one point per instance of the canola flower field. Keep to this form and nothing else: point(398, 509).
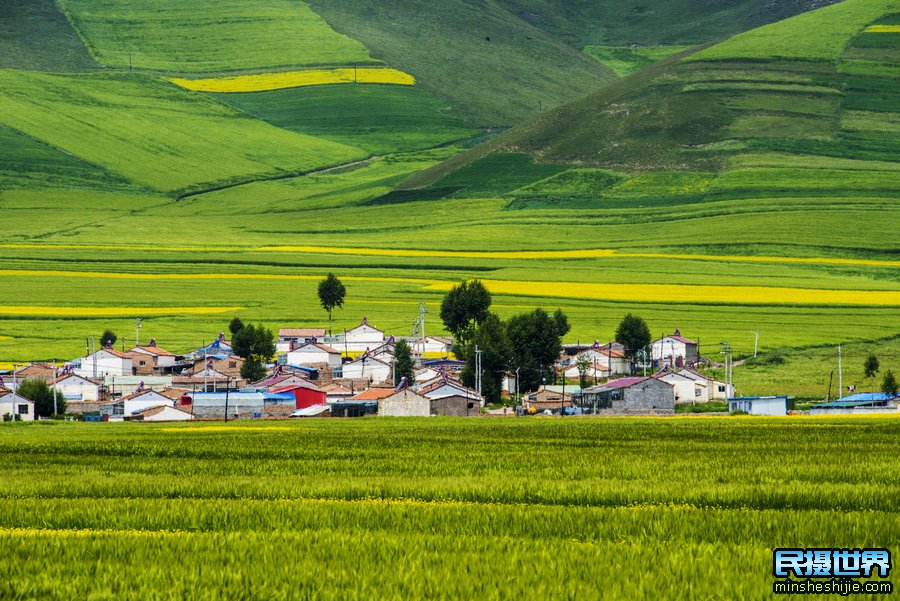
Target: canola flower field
point(437, 508)
point(294, 79)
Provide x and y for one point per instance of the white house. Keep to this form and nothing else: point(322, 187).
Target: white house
point(164, 413)
point(687, 390)
point(368, 368)
point(105, 362)
point(77, 388)
point(14, 405)
point(715, 390)
point(362, 338)
point(675, 350)
point(760, 405)
point(431, 347)
point(313, 353)
point(134, 403)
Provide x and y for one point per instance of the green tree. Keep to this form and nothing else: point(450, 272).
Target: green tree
point(534, 347)
point(583, 361)
point(490, 338)
point(42, 395)
point(403, 363)
point(108, 337)
point(562, 323)
point(634, 334)
point(871, 366)
point(463, 308)
point(256, 344)
point(331, 295)
point(235, 326)
point(889, 384)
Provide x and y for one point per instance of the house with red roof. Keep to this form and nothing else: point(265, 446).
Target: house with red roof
point(314, 353)
point(675, 350)
point(150, 360)
point(105, 362)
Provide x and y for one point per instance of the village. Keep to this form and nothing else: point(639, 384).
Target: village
point(352, 374)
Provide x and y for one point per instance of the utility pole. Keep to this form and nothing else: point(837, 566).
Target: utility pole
point(422, 312)
point(756, 343)
point(227, 386)
point(840, 376)
point(55, 376)
point(137, 331)
point(93, 358)
point(517, 386)
point(478, 370)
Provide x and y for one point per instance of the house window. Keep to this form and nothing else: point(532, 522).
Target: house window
point(119, 409)
point(23, 409)
point(143, 363)
point(232, 364)
point(697, 392)
point(721, 388)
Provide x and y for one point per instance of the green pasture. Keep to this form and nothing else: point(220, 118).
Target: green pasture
point(436, 508)
point(818, 35)
point(34, 34)
point(380, 119)
point(156, 134)
point(210, 36)
point(625, 60)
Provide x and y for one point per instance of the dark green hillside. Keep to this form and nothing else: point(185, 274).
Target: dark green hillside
point(649, 22)
point(830, 97)
point(493, 67)
point(34, 34)
point(377, 118)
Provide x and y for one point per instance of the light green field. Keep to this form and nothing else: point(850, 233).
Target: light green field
point(436, 508)
point(156, 134)
point(210, 36)
point(625, 60)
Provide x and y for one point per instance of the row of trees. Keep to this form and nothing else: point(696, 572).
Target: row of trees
point(871, 367)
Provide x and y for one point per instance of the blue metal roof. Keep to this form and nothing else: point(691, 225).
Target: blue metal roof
point(865, 397)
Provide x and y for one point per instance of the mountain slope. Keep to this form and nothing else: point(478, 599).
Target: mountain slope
point(771, 90)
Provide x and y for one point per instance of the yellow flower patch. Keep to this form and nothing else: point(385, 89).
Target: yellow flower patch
point(128, 311)
point(295, 79)
point(883, 29)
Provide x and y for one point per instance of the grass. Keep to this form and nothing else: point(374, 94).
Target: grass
point(792, 39)
point(155, 134)
point(493, 68)
point(34, 34)
point(625, 60)
point(353, 514)
point(210, 36)
point(379, 119)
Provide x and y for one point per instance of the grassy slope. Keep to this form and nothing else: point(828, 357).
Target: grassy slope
point(210, 36)
point(154, 133)
point(34, 34)
point(445, 45)
point(623, 22)
point(625, 60)
point(378, 118)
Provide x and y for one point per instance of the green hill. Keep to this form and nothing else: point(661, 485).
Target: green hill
point(34, 34)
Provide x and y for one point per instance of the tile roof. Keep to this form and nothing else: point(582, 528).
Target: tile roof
point(373, 394)
point(151, 350)
point(620, 383)
point(301, 332)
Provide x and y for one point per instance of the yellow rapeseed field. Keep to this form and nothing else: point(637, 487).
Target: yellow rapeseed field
point(111, 311)
point(883, 29)
point(679, 293)
point(295, 79)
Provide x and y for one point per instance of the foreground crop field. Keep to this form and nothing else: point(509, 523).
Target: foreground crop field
point(437, 508)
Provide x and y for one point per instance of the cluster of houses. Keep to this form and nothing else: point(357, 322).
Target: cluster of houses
point(351, 375)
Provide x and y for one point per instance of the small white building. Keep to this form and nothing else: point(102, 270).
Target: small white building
point(675, 350)
point(105, 362)
point(314, 353)
point(404, 403)
point(367, 368)
point(715, 389)
point(163, 413)
point(77, 388)
point(760, 405)
point(15, 406)
point(687, 390)
point(133, 404)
